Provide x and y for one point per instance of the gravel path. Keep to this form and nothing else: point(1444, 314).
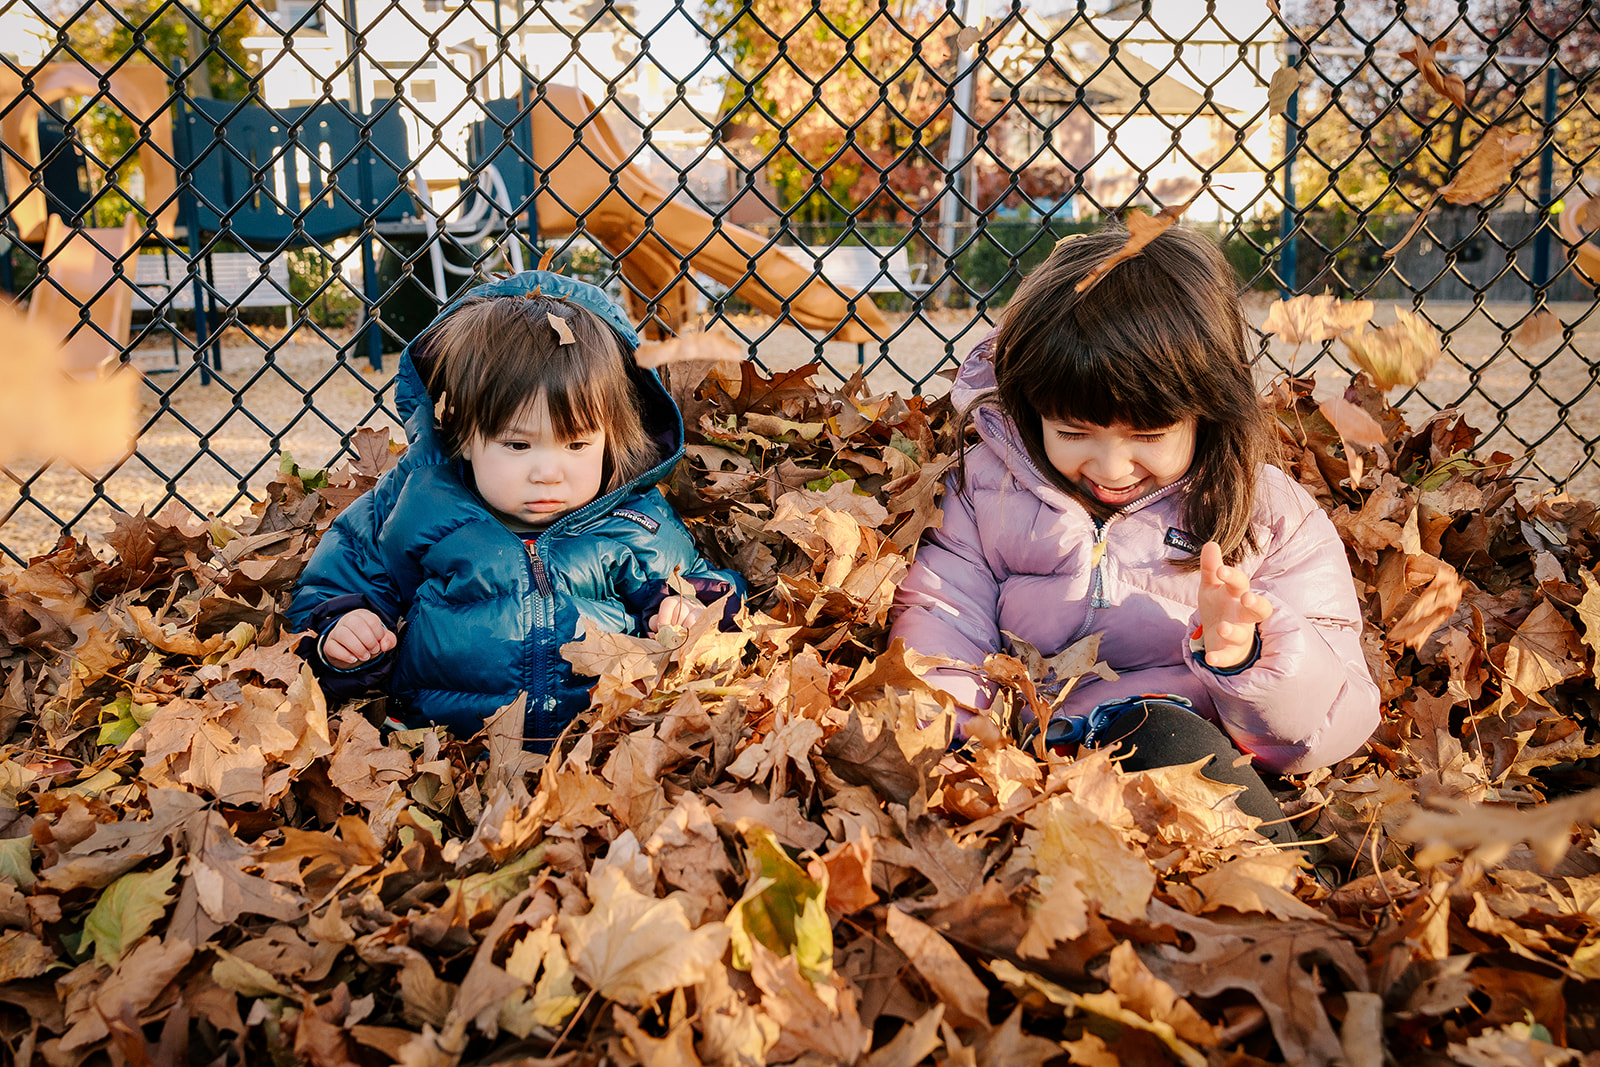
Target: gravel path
point(303, 395)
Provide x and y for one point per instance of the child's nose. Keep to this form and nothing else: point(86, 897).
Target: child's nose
point(1115, 462)
point(544, 468)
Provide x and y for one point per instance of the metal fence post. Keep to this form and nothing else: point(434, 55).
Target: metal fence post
point(1289, 223)
point(1547, 172)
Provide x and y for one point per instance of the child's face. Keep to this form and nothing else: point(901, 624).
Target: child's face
point(1117, 464)
point(529, 477)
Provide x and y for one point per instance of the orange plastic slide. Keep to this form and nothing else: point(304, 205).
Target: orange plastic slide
point(82, 274)
point(1576, 229)
point(138, 91)
point(582, 185)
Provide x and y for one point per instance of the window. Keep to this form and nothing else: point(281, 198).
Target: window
point(421, 90)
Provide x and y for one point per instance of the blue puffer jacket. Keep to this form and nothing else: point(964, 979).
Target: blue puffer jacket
point(479, 617)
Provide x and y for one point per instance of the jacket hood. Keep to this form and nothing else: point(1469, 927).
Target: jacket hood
point(973, 382)
point(662, 421)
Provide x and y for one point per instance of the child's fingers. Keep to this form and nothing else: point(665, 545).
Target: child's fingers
point(1255, 607)
point(1210, 562)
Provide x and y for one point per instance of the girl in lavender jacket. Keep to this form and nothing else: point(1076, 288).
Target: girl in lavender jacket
point(1119, 486)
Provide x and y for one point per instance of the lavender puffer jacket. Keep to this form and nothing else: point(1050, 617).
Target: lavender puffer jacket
point(1016, 554)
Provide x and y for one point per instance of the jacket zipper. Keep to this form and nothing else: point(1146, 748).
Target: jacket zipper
point(1098, 561)
point(541, 621)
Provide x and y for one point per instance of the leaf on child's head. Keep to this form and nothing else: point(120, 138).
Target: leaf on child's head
point(1490, 166)
point(1143, 228)
point(559, 325)
point(1316, 318)
point(1421, 54)
point(1401, 354)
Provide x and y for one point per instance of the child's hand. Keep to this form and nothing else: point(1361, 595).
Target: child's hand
point(676, 611)
point(1229, 611)
point(358, 636)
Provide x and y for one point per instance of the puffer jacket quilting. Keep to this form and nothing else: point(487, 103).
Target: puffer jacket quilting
point(1017, 555)
point(480, 619)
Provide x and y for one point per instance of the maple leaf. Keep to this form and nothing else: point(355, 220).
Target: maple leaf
point(817, 1017)
point(1142, 229)
point(1315, 318)
point(1106, 1006)
point(1260, 883)
point(632, 948)
point(133, 986)
point(362, 767)
point(1543, 652)
point(1487, 833)
point(1589, 612)
point(23, 955)
point(1421, 54)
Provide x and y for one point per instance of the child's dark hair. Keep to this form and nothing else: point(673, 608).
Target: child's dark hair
point(1159, 339)
point(487, 359)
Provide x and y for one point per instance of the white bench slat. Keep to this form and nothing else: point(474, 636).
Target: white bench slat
point(867, 268)
point(236, 279)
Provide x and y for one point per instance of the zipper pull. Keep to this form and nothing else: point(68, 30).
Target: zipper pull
point(540, 578)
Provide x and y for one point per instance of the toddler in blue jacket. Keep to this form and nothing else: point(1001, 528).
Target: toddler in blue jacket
point(523, 514)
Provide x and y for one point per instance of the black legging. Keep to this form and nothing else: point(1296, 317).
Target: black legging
point(1158, 733)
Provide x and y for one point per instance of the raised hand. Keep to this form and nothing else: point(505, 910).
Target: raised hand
point(358, 636)
point(1229, 611)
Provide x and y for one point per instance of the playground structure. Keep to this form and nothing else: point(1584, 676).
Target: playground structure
point(1576, 229)
point(559, 163)
point(586, 180)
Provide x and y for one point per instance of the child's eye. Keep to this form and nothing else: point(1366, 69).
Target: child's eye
point(578, 446)
point(516, 446)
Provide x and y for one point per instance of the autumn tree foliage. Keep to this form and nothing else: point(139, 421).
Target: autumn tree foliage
point(842, 103)
point(1373, 127)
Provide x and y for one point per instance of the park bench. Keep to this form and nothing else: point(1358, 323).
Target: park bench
point(238, 280)
point(868, 269)
point(163, 283)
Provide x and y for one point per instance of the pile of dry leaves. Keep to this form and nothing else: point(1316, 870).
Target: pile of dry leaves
point(757, 847)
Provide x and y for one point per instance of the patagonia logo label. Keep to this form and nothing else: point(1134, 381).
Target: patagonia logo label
point(1182, 539)
point(643, 520)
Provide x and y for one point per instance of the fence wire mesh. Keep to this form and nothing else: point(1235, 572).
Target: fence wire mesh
point(259, 204)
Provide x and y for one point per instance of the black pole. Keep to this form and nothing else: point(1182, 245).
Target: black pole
point(1288, 267)
point(1547, 175)
point(369, 266)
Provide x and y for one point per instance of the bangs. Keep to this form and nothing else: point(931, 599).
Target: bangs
point(1159, 339)
point(1096, 387)
point(492, 357)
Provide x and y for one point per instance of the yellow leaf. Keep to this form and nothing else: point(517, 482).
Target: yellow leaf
point(1489, 168)
point(1316, 318)
point(1401, 354)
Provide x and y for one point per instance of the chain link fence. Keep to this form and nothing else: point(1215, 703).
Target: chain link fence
point(259, 204)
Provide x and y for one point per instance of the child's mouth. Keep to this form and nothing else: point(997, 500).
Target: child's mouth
point(543, 507)
point(1107, 495)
